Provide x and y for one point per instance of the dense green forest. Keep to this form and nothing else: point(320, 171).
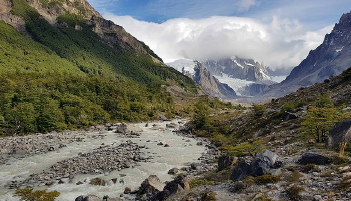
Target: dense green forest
point(62, 78)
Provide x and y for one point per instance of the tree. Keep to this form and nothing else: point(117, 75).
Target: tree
point(51, 117)
point(201, 114)
point(22, 118)
point(258, 110)
point(321, 117)
point(246, 148)
point(319, 121)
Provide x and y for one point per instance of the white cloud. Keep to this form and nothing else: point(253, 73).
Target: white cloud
point(278, 43)
point(246, 4)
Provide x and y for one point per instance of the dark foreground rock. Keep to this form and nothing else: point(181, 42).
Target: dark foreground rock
point(313, 158)
point(152, 189)
point(150, 186)
point(178, 185)
point(260, 165)
point(225, 162)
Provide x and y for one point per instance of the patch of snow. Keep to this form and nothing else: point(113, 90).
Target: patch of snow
point(187, 64)
point(278, 79)
point(238, 64)
point(233, 83)
point(339, 50)
point(265, 76)
point(248, 64)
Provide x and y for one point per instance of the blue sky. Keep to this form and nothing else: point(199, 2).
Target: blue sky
point(314, 13)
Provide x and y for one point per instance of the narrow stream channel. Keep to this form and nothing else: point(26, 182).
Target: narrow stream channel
point(180, 152)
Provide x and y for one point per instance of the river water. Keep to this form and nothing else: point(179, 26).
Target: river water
point(180, 152)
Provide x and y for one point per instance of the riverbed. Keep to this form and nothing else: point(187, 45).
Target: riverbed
point(180, 152)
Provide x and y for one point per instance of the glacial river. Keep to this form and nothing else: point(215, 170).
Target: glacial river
point(180, 152)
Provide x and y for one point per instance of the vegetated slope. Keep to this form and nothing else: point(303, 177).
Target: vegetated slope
point(289, 126)
point(279, 119)
point(332, 57)
point(64, 75)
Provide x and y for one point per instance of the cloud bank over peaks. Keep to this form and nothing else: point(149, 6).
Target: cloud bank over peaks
point(278, 42)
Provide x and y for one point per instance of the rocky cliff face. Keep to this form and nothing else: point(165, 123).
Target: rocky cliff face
point(13, 20)
point(109, 32)
point(245, 76)
point(209, 84)
point(331, 58)
point(235, 67)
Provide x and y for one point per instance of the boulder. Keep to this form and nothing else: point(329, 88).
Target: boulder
point(162, 117)
point(260, 165)
point(98, 182)
point(151, 186)
point(127, 190)
point(173, 171)
point(178, 185)
point(287, 116)
point(241, 171)
point(225, 162)
point(341, 132)
point(313, 158)
point(80, 198)
point(122, 128)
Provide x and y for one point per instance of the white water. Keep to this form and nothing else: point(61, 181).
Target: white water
point(177, 155)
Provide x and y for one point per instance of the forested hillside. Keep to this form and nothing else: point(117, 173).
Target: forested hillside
point(64, 76)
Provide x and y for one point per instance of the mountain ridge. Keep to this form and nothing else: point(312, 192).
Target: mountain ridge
point(328, 59)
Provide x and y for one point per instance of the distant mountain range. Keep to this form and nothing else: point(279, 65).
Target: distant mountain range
point(209, 84)
point(245, 76)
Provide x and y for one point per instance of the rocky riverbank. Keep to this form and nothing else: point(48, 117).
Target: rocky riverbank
point(102, 160)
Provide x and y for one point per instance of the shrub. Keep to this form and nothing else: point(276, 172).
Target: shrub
point(199, 182)
point(263, 198)
point(288, 107)
point(294, 192)
point(245, 149)
point(258, 110)
point(337, 160)
point(267, 179)
point(294, 176)
point(310, 167)
point(208, 196)
point(345, 184)
point(40, 195)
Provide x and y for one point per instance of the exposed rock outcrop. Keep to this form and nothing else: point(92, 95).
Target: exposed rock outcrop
point(150, 186)
point(260, 165)
point(110, 33)
point(235, 67)
point(178, 185)
point(313, 158)
point(209, 84)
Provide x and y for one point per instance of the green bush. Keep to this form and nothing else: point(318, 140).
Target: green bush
point(294, 192)
point(245, 148)
point(337, 160)
point(40, 195)
point(267, 179)
point(208, 196)
point(196, 182)
point(293, 177)
point(310, 168)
